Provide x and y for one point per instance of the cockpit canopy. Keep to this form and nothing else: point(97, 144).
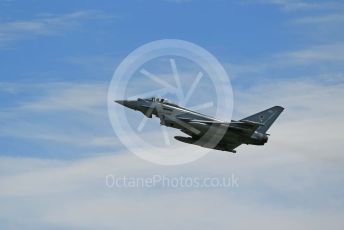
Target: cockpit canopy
point(155, 99)
point(161, 100)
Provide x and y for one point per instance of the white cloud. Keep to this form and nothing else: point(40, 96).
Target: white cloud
point(316, 56)
point(292, 182)
point(292, 5)
point(329, 18)
point(178, 1)
point(328, 52)
point(315, 20)
point(66, 96)
point(59, 108)
point(44, 26)
point(73, 194)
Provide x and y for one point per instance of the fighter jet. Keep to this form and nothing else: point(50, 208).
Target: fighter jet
point(206, 131)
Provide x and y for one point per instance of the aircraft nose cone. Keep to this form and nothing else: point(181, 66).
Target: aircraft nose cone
point(121, 102)
point(127, 103)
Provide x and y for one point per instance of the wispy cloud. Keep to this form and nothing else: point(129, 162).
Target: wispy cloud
point(80, 199)
point(69, 96)
point(178, 1)
point(47, 25)
point(68, 104)
point(304, 153)
point(316, 19)
point(316, 56)
point(328, 52)
point(292, 5)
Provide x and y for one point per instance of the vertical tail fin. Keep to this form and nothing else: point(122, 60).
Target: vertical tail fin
point(266, 117)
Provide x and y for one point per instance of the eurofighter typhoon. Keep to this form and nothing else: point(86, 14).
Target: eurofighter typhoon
point(206, 131)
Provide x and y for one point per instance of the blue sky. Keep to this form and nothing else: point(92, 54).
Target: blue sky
point(57, 144)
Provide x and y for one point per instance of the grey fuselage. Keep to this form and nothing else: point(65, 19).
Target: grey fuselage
point(196, 124)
